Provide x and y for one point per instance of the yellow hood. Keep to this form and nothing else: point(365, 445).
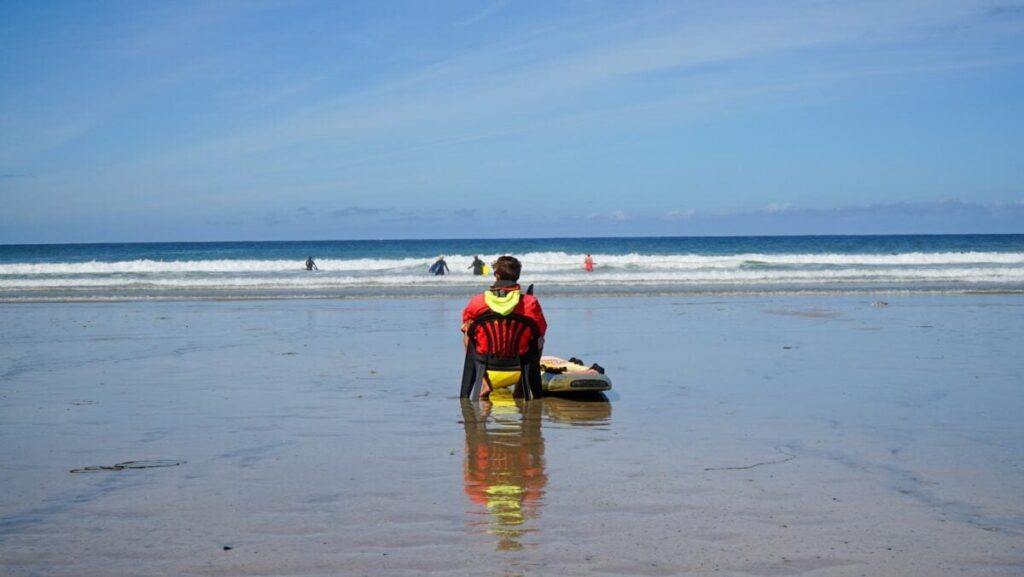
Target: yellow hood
point(502, 305)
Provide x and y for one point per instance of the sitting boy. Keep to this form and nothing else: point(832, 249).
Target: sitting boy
point(505, 297)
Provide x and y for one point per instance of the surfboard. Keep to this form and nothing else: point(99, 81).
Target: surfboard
point(559, 375)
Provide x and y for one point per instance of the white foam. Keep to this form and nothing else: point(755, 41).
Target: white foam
point(538, 262)
point(889, 276)
point(550, 268)
point(207, 266)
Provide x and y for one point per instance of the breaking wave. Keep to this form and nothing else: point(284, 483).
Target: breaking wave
point(625, 273)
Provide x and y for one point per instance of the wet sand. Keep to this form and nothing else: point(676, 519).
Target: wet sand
point(744, 436)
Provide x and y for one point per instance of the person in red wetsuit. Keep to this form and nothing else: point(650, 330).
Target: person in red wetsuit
point(504, 297)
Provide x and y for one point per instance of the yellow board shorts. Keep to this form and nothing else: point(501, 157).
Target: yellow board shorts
point(503, 379)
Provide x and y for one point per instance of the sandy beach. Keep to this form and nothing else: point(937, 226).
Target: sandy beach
point(764, 436)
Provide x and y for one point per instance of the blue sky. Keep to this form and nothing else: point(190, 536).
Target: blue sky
point(267, 120)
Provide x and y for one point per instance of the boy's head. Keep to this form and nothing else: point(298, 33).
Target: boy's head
point(507, 268)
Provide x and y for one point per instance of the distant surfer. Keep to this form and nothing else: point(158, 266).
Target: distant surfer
point(588, 263)
point(477, 266)
point(439, 267)
point(310, 265)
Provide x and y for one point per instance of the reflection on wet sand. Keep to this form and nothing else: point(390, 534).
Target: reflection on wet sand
point(581, 410)
point(504, 470)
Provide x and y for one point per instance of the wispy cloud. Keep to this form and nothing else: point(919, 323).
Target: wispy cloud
point(617, 215)
point(359, 211)
point(1008, 9)
point(275, 219)
point(486, 10)
point(417, 217)
point(944, 216)
point(944, 206)
point(778, 207)
point(166, 106)
point(527, 78)
point(280, 217)
point(680, 214)
point(457, 100)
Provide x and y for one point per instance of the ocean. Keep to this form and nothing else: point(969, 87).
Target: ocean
point(644, 266)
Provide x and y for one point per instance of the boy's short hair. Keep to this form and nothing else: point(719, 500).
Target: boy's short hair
point(507, 268)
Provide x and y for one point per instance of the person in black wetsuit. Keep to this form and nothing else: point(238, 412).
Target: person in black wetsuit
point(477, 266)
point(310, 265)
point(439, 267)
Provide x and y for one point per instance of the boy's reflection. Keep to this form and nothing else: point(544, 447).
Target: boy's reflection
point(504, 469)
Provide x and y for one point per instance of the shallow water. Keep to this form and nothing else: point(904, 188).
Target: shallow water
point(752, 436)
